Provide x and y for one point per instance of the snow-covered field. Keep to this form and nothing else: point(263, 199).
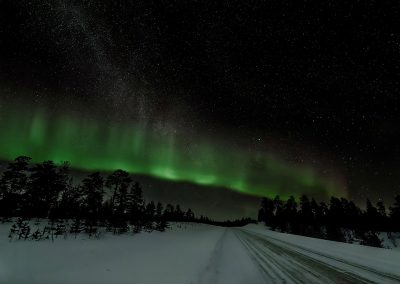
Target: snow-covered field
point(194, 253)
point(186, 253)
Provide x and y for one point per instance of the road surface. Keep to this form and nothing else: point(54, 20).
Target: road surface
point(277, 261)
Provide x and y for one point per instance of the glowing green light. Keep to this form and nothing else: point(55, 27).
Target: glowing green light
point(137, 148)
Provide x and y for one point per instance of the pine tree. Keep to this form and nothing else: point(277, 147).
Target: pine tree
point(371, 238)
point(76, 227)
point(395, 215)
point(352, 215)
point(37, 235)
point(60, 229)
point(21, 229)
point(334, 218)
point(290, 215)
point(371, 217)
point(119, 182)
point(70, 203)
point(13, 186)
point(306, 216)
point(149, 216)
point(189, 215)
point(261, 215)
point(178, 213)
point(169, 212)
point(383, 224)
point(92, 199)
point(279, 221)
point(161, 223)
point(136, 205)
point(13, 231)
point(46, 182)
point(268, 209)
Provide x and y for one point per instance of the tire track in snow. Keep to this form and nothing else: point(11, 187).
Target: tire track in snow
point(210, 273)
point(385, 277)
point(281, 264)
point(270, 273)
point(362, 273)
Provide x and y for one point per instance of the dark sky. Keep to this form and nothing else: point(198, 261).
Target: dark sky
point(320, 77)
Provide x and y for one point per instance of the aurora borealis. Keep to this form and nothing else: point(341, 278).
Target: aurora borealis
point(89, 145)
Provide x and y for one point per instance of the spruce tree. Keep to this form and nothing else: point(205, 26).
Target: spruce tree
point(189, 215)
point(45, 184)
point(306, 216)
point(279, 221)
point(150, 212)
point(136, 205)
point(169, 212)
point(334, 218)
point(13, 186)
point(70, 203)
point(268, 209)
point(161, 223)
point(92, 199)
point(178, 213)
point(383, 224)
point(77, 227)
point(119, 182)
point(290, 215)
point(395, 215)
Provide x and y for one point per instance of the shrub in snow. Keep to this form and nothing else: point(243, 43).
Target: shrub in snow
point(371, 239)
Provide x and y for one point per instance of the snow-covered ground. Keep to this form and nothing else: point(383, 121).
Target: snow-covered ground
point(187, 253)
point(299, 254)
point(194, 253)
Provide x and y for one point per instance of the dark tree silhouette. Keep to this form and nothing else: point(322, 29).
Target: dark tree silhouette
point(70, 203)
point(290, 216)
point(92, 190)
point(149, 216)
point(340, 221)
point(178, 214)
point(136, 207)
point(169, 212)
point(118, 182)
point(279, 221)
point(267, 211)
point(334, 217)
point(306, 217)
point(45, 190)
point(13, 186)
point(370, 217)
point(189, 215)
point(395, 215)
point(161, 223)
point(46, 182)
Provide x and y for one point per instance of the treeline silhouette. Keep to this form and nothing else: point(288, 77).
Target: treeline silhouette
point(228, 223)
point(46, 191)
point(339, 220)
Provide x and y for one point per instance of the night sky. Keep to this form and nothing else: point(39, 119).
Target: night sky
point(261, 97)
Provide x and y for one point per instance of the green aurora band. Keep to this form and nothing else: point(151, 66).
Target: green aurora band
point(90, 145)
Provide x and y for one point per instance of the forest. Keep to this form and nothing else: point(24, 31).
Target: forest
point(46, 191)
point(339, 220)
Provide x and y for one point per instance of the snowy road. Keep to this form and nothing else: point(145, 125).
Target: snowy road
point(282, 262)
point(195, 254)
